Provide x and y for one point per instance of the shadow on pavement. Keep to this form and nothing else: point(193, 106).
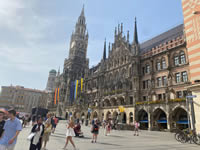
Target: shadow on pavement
point(108, 144)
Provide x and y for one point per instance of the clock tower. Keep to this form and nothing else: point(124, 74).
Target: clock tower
point(75, 66)
point(77, 63)
point(79, 39)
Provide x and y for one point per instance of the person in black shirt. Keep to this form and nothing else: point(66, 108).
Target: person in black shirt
point(2, 122)
point(38, 129)
point(95, 131)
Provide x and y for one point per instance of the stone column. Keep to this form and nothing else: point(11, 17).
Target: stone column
point(149, 122)
point(168, 121)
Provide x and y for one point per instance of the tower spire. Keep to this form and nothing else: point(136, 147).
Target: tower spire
point(82, 12)
point(59, 71)
point(135, 39)
point(104, 51)
point(128, 36)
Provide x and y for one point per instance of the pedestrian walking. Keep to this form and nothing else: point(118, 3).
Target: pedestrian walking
point(95, 131)
point(47, 131)
point(2, 122)
point(136, 128)
point(38, 130)
point(54, 123)
point(11, 129)
point(108, 128)
point(69, 134)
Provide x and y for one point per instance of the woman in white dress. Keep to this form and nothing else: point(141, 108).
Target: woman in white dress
point(70, 133)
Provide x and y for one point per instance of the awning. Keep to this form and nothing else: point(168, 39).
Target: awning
point(144, 121)
point(162, 121)
point(182, 122)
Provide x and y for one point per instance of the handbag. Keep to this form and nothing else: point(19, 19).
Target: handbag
point(31, 135)
point(48, 129)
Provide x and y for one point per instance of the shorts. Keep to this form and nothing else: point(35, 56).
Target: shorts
point(3, 147)
point(95, 132)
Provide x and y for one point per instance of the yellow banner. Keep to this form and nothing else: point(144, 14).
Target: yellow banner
point(76, 87)
point(121, 108)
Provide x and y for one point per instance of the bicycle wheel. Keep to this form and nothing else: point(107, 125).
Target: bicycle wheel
point(196, 139)
point(183, 138)
point(177, 135)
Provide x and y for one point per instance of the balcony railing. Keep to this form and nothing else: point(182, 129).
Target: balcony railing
point(119, 91)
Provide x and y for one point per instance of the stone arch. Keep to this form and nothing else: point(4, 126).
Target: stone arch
point(95, 115)
point(113, 102)
point(179, 106)
point(142, 117)
point(158, 107)
point(159, 119)
point(121, 101)
point(108, 115)
point(107, 102)
point(179, 117)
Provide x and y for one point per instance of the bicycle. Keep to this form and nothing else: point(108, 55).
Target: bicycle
point(188, 136)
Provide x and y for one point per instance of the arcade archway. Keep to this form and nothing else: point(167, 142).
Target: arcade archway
point(108, 115)
point(143, 119)
point(179, 118)
point(159, 119)
point(95, 115)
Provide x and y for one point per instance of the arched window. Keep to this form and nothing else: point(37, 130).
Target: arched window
point(163, 63)
point(158, 65)
point(147, 68)
point(182, 57)
point(176, 60)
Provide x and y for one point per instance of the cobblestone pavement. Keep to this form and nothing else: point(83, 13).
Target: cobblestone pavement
point(118, 140)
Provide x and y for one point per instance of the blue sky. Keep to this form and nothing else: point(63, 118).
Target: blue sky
point(35, 34)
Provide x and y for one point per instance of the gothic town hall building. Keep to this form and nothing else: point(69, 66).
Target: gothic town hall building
point(133, 81)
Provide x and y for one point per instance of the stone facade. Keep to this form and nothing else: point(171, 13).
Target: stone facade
point(22, 99)
point(144, 82)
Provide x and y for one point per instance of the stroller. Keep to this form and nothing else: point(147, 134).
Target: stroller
point(77, 131)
